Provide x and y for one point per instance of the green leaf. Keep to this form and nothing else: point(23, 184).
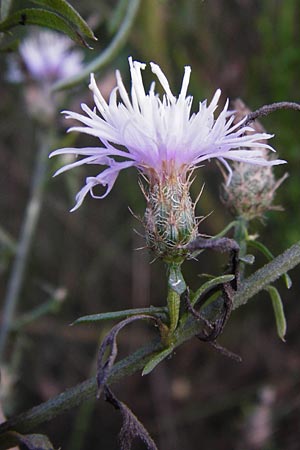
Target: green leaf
point(49, 19)
point(269, 255)
point(68, 12)
point(262, 248)
point(157, 358)
point(175, 280)
point(116, 315)
point(278, 311)
point(209, 285)
point(288, 280)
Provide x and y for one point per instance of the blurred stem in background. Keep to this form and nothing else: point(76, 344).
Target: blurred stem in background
point(45, 138)
point(5, 8)
point(153, 20)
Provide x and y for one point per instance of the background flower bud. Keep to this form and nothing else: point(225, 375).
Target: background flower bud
point(251, 190)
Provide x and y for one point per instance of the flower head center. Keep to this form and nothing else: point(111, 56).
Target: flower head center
point(169, 173)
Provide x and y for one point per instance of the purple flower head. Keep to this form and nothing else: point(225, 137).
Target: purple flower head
point(48, 57)
point(158, 135)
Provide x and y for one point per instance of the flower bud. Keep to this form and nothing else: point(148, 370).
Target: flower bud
point(251, 190)
point(169, 219)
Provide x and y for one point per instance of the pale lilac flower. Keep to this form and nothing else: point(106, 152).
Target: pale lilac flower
point(48, 57)
point(158, 136)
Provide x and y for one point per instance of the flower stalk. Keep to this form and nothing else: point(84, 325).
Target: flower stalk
point(173, 301)
point(240, 236)
point(176, 287)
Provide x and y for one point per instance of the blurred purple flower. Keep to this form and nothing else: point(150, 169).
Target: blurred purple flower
point(47, 57)
point(158, 136)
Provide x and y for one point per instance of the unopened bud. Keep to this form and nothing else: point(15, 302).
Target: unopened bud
point(169, 220)
point(251, 190)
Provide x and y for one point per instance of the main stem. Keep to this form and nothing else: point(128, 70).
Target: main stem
point(258, 281)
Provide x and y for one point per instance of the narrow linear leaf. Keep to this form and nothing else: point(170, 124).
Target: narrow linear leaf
point(68, 12)
point(288, 280)
point(262, 248)
point(278, 311)
point(157, 358)
point(269, 255)
point(115, 315)
point(49, 19)
point(210, 284)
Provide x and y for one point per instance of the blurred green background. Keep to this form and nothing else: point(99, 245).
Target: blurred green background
point(198, 398)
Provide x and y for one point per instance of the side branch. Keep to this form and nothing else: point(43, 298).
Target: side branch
point(268, 109)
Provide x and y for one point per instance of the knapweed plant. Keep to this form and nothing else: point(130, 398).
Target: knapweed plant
point(170, 145)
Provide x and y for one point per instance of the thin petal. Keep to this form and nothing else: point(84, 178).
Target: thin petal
point(88, 160)
point(163, 81)
point(185, 81)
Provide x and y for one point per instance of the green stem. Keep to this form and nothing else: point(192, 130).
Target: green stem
point(176, 287)
point(173, 307)
point(26, 238)
point(73, 397)
point(240, 235)
point(269, 273)
point(109, 53)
